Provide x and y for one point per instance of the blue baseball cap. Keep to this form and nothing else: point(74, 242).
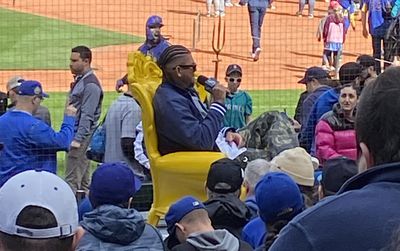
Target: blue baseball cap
point(179, 209)
point(154, 21)
point(113, 184)
point(314, 72)
point(31, 88)
point(278, 197)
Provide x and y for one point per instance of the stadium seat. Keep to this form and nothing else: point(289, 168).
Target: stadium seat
point(174, 175)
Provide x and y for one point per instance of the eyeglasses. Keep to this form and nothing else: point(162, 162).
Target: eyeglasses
point(187, 66)
point(235, 80)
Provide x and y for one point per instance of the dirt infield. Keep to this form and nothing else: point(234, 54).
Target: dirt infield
point(288, 42)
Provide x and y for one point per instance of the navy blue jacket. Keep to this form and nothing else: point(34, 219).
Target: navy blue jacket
point(322, 105)
point(362, 216)
point(179, 123)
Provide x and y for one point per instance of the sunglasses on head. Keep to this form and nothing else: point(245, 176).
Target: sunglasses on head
point(235, 80)
point(188, 66)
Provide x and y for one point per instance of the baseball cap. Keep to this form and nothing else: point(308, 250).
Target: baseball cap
point(113, 184)
point(278, 197)
point(41, 189)
point(233, 68)
point(179, 209)
point(224, 176)
point(14, 82)
point(297, 163)
point(314, 72)
point(366, 61)
point(336, 172)
point(154, 21)
point(349, 71)
point(31, 88)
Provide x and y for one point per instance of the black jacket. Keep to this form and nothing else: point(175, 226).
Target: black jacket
point(228, 212)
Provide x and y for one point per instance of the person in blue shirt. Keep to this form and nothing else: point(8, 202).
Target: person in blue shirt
point(379, 20)
point(29, 143)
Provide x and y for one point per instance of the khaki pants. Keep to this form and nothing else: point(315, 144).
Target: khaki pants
point(78, 166)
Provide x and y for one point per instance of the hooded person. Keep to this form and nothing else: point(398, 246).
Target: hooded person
point(190, 228)
point(113, 225)
point(225, 209)
point(154, 45)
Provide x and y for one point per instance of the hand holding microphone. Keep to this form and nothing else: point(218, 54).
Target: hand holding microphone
point(218, 91)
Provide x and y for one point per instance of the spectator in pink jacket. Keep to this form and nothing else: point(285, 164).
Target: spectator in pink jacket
point(334, 134)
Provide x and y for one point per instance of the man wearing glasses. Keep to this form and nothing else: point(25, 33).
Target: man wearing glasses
point(29, 143)
point(183, 122)
point(239, 106)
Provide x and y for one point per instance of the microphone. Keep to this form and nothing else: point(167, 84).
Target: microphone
point(209, 84)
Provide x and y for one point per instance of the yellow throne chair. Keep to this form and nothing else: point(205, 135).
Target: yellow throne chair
point(176, 174)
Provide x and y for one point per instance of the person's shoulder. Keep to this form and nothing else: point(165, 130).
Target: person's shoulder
point(184, 247)
point(244, 246)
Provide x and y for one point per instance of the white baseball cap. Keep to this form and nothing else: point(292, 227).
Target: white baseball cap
point(41, 189)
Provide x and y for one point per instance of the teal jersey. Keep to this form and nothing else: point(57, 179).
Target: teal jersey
point(237, 109)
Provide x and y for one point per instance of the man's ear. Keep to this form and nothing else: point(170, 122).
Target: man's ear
point(366, 160)
point(178, 71)
point(77, 237)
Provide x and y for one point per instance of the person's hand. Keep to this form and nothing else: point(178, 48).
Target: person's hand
point(235, 137)
point(365, 33)
point(119, 84)
point(296, 125)
point(219, 93)
point(75, 144)
point(243, 3)
point(70, 110)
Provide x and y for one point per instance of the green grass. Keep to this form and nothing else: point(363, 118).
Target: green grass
point(262, 101)
point(34, 42)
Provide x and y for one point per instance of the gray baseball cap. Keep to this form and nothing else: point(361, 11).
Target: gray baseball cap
point(41, 189)
point(14, 82)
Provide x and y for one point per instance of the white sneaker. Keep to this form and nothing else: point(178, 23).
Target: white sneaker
point(310, 16)
point(332, 68)
point(228, 4)
point(222, 14)
point(256, 54)
point(237, 4)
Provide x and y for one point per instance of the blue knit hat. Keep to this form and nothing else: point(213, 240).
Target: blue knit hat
point(179, 209)
point(113, 184)
point(278, 197)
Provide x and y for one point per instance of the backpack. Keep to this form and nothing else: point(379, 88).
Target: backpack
point(97, 145)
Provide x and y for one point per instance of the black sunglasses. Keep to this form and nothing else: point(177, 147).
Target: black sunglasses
point(187, 66)
point(237, 80)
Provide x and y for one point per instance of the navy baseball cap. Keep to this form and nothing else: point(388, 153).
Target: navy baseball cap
point(278, 197)
point(179, 209)
point(233, 68)
point(336, 172)
point(314, 72)
point(113, 184)
point(31, 88)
